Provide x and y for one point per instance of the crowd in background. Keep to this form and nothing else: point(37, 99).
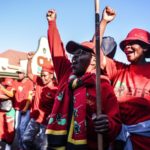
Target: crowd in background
point(57, 110)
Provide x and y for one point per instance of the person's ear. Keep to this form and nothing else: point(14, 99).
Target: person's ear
point(51, 75)
point(92, 65)
point(93, 61)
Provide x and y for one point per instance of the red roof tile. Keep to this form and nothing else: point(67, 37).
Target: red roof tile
point(14, 56)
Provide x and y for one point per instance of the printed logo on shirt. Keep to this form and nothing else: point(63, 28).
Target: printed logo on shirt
point(20, 88)
point(122, 90)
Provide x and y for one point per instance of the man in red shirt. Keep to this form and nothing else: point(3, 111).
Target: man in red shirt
point(45, 89)
point(73, 123)
point(22, 88)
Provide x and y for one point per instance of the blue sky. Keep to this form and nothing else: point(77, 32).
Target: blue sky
point(22, 23)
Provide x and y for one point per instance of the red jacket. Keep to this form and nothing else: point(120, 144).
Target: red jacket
point(84, 102)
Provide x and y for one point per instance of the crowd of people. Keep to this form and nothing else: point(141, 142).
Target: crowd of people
point(57, 110)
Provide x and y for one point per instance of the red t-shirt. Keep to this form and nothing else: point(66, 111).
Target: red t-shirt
point(132, 88)
point(22, 91)
point(43, 101)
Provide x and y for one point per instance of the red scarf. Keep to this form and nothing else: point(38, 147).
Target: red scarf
point(67, 122)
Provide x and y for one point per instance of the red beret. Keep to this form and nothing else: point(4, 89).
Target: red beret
point(48, 68)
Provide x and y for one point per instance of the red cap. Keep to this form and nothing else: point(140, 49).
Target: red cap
point(48, 68)
point(8, 81)
point(72, 46)
point(140, 35)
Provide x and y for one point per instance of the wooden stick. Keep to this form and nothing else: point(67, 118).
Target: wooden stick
point(98, 73)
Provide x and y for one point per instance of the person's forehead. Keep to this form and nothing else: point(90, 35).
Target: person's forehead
point(45, 73)
point(21, 73)
point(134, 42)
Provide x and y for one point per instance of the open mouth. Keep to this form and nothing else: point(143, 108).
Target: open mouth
point(129, 52)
